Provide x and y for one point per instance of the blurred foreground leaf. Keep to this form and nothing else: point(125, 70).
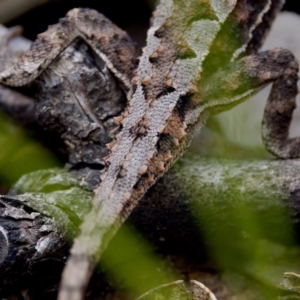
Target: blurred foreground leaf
point(242, 238)
point(19, 154)
point(132, 263)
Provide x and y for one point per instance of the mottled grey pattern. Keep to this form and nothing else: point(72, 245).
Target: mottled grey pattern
point(196, 63)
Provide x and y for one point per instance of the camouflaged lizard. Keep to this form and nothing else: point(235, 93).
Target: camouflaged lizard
point(200, 59)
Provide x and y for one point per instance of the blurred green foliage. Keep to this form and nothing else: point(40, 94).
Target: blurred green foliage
point(19, 153)
point(247, 238)
point(134, 265)
point(239, 240)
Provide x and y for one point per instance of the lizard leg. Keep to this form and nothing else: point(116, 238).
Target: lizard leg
point(109, 42)
point(247, 76)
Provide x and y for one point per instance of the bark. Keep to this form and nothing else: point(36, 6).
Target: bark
point(178, 216)
point(199, 206)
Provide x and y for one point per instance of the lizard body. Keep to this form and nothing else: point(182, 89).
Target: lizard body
point(200, 59)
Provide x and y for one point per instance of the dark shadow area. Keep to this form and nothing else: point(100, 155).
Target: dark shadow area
point(132, 15)
point(292, 5)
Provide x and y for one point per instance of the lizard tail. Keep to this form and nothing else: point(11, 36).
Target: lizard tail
point(98, 228)
point(75, 277)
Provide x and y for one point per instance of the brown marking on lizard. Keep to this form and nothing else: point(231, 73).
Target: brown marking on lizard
point(175, 126)
point(183, 89)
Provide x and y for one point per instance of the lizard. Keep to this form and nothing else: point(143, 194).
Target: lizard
point(201, 58)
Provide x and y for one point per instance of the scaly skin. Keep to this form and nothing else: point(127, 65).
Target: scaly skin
point(200, 59)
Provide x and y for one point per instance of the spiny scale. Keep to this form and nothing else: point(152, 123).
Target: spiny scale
point(153, 134)
point(161, 81)
point(181, 75)
point(159, 121)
